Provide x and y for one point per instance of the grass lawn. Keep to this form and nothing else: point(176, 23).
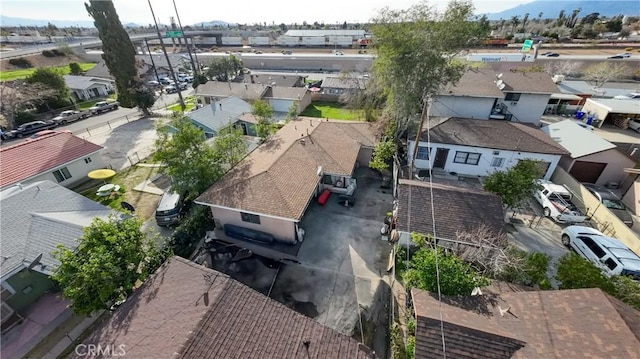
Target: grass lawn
point(24, 73)
point(332, 110)
point(189, 103)
point(88, 104)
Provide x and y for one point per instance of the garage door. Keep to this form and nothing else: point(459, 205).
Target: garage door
point(588, 172)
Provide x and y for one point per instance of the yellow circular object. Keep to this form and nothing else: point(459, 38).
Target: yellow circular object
point(101, 174)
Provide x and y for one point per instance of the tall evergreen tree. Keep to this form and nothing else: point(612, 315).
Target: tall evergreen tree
point(119, 53)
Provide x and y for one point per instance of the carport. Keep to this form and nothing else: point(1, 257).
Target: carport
point(612, 111)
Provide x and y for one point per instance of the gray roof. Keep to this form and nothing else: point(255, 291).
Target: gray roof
point(631, 107)
point(38, 217)
point(100, 70)
point(340, 83)
point(285, 93)
point(577, 140)
point(271, 79)
point(218, 115)
point(481, 82)
point(610, 89)
point(247, 92)
point(84, 82)
point(294, 33)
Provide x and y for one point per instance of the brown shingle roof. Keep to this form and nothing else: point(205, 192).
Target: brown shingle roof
point(188, 311)
point(578, 323)
point(500, 135)
point(457, 209)
point(29, 158)
point(247, 92)
point(482, 83)
point(279, 177)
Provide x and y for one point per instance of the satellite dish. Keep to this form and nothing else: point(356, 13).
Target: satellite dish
point(499, 76)
point(502, 86)
point(35, 262)
point(499, 83)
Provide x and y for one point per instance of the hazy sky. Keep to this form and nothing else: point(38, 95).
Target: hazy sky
point(240, 11)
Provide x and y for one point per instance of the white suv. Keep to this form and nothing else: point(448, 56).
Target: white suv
point(609, 254)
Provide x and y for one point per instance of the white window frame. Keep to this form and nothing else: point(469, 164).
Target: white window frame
point(497, 162)
point(466, 158)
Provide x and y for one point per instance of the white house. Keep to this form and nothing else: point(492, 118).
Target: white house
point(478, 148)
point(86, 88)
point(59, 157)
point(485, 94)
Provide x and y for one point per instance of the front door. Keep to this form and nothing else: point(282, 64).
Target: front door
point(441, 158)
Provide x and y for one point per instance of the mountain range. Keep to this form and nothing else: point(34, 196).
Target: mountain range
point(19, 21)
point(551, 9)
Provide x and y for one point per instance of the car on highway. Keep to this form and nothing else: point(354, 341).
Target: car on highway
point(616, 57)
point(69, 116)
point(625, 55)
point(606, 253)
point(634, 124)
point(552, 54)
point(611, 201)
point(628, 96)
point(103, 106)
point(287, 52)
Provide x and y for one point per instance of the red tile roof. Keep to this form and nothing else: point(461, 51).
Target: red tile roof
point(576, 323)
point(188, 311)
point(30, 158)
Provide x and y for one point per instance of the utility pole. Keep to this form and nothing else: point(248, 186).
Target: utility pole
point(193, 64)
point(164, 50)
point(155, 71)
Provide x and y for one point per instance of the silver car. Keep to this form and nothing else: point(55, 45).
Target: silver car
point(611, 201)
point(169, 209)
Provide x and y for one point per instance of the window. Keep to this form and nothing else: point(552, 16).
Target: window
point(511, 96)
point(497, 162)
point(62, 174)
point(87, 160)
point(593, 246)
point(251, 218)
point(467, 158)
point(610, 264)
point(423, 153)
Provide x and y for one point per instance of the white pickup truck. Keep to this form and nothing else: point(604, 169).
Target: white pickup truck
point(556, 203)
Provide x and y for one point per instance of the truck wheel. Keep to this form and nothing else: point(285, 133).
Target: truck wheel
point(566, 241)
point(19, 135)
point(63, 122)
point(546, 212)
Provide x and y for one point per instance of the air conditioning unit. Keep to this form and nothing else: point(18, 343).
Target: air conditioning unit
point(558, 78)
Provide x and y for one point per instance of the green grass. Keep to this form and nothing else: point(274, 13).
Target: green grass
point(88, 104)
point(24, 73)
point(189, 103)
point(332, 110)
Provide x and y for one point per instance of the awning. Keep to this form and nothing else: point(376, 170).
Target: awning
point(565, 96)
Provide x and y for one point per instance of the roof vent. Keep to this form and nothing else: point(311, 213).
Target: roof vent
point(302, 141)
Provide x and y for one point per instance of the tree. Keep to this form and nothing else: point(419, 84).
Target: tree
point(540, 16)
point(627, 290)
point(382, 155)
point(591, 18)
point(19, 94)
point(111, 257)
point(515, 184)
point(50, 78)
point(456, 277)
point(225, 69)
point(603, 72)
point(118, 51)
point(292, 111)
point(566, 68)
point(75, 69)
point(524, 268)
point(524, 21)
point(201, 170)
point(574, 272)
point(416, 50)
point(515, 21)
point(144, 97)
point(229, 148)
point(571, 21)
point(264, 112)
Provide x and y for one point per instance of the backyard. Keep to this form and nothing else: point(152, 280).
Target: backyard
point(189, 102)
point(24, 73)
point(332, 110)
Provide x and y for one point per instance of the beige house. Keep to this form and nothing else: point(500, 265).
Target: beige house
point(592, 159)
point(264, 197)
point(631, 196)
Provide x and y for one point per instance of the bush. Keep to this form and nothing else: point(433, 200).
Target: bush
point(193, 228)
point(528, 269)
point(57, 52)
point(48, 53)
point(576, 272)
point(23, 117)
point(21, 62)
point(75, 69)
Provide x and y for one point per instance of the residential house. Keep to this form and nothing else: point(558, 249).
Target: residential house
point(186, 310)
point(214, 91)
point(590, 158)
point(485, 94)
point(273, 79)
point(223, 113)
point(145, 71)
point(459, 209)
point(34, 219)
point(585, 90)
point(339, 89)
point(612, 111)
point(508, 321)
point(269, 191)
point(60, 157)
point(478, 147)
point(85, 88)
point(281, 99)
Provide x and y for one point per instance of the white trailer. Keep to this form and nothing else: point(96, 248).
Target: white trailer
point(258, 40)
point(340, 41)
point(501, 57)
point(313, 41)
point(288, 40)
point(232, 40)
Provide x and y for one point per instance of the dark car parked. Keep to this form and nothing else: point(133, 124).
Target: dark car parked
point(29, 128)
point(611, 201)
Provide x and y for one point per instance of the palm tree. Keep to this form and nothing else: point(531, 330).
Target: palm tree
point(540, 16)
point(502, 21)
point(560, 18)
point(574, 17)
point(514, 23)
point(524, 21)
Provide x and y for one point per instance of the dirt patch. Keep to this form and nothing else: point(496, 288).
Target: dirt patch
point(42, 61)
point(144, 203)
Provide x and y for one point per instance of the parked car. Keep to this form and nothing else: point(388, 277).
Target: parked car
point(183, 86)
point(30, 128)
point(611, 201)
point(629, 96)
point(556, 202)
point(166, 81)
point(44, 133)
point(607, 253)
point(169, 210)
point(69, 116)
point(153, 84)
point(287, 52)
point(103, 106)
point(616, 57)
point(634, 124)
point(170, 89)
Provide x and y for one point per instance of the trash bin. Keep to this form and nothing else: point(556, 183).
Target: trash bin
point(590, 120)
point(579, 115)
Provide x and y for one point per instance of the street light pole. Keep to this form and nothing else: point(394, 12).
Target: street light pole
point(164, 50)
point(193, 64)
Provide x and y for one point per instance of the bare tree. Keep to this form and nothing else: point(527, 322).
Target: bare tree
point(18, 94)
point(603, 72)
point(566, 68)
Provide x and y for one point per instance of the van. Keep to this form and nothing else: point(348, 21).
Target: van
point(608, 254)
point(169, 209)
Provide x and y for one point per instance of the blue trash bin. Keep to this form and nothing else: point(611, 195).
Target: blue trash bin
point(579, 115)
point(590, 119)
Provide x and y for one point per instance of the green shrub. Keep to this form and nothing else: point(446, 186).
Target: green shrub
point(23, 117)
point(532, 272)
point(57, 52)
point(48, 53)
point(192, 229)
point(21, 62)
point(75, 69)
